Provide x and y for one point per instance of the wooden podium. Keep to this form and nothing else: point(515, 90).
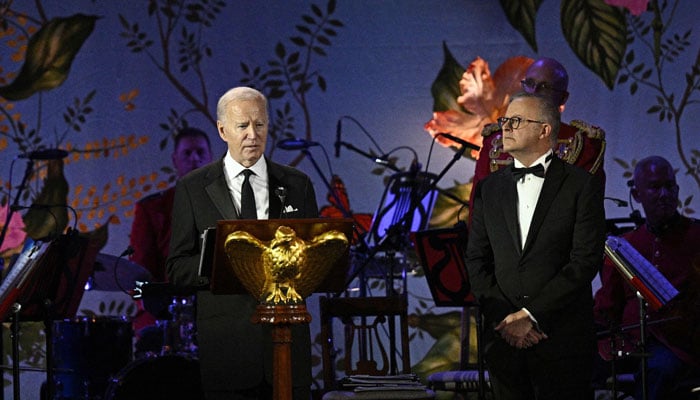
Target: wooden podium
point(253, 256)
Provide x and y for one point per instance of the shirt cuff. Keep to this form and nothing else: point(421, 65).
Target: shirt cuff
point(532, 318)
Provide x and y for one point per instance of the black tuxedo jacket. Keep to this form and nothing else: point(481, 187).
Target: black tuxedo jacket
point(234, 353)
point(551, 275)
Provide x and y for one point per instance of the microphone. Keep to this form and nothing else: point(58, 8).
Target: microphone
point(337, 138)
point(281, 193)
point(129, 251)
point(618, 202)
point(296, 144)
point(48, 154)
point(460, 141)
point(383, 160)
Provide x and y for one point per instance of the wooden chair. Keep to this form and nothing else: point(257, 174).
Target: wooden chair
point(369, 323)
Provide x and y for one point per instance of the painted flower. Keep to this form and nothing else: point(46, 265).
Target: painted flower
point(635, 7)
point(483, 98)
point(14, 238)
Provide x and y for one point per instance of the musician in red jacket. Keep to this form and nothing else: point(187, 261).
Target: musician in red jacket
point(150, 230)
point(671, 243)
point(578, 143)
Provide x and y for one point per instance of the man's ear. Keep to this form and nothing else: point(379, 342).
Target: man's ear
point(220, 129)
point(546, 131)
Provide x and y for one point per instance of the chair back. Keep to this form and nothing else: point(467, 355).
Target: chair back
point(370, 330)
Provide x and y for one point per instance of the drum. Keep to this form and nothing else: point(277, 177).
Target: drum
point(87, 352)
point(172, 377)
point(181, 329)
point(176, 335)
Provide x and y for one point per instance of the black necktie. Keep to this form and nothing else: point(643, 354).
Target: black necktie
point(537, 170)
point(248, 210)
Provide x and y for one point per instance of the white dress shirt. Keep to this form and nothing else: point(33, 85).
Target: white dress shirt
point(529, 188)
point(258, 180)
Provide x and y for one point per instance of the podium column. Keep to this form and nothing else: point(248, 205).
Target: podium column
point(282, 317)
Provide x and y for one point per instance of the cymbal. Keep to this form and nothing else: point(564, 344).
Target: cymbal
point(127, 273)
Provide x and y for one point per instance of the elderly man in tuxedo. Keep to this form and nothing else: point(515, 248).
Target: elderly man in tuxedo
point(235, 355)
point(536, 242)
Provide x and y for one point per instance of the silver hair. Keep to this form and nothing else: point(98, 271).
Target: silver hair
point(547, 110)
point(235, 94)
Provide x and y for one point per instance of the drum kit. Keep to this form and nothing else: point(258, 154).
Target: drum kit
point(105, 358)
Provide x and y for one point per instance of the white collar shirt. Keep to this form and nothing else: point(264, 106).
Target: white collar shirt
point(529, 188)
point(258, 180)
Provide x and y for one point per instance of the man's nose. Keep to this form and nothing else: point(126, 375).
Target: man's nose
point(250, 132)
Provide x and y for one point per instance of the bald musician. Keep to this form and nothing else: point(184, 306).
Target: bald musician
point(670, 242)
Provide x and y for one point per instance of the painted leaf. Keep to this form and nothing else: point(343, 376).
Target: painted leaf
point(444, 89)
point(596, 32)
point(521, 15)
point(50, 53)
point(43, 222)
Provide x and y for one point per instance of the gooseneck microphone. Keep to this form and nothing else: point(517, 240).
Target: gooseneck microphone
point(296, 144)
point(460, 141)
point(48, 154)
point(618, 202)
point(127, 252)
point(337, 138)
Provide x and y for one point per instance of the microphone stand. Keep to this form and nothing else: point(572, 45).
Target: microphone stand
point(642, 342)
point(394, 168)
point(391, 231)
point(346, 213)
point(349, 146)
point(396, 235)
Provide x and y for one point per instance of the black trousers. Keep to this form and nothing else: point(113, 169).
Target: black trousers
point(525, 375)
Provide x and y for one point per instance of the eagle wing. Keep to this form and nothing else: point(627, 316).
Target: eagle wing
point(245, 254)
point(322, 253)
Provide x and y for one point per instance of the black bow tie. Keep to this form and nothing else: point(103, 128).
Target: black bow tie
point(537, 170)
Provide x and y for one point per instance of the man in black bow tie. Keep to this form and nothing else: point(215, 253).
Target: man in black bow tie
point(536, 243)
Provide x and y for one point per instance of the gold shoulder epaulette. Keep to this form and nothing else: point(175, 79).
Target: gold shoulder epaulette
point(489, 129)
point(593, 132)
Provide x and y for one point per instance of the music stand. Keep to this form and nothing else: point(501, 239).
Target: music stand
point(652, 288)
point(441, 253)
point(280, 316)
point(46, 283)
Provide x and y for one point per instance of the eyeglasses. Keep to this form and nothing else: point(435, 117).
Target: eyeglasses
point(515, 122)
point(532, 86)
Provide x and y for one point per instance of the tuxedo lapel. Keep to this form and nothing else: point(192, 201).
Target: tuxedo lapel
point(218, 192)
point(510, 205)
point(552, 182)
point(275, 179)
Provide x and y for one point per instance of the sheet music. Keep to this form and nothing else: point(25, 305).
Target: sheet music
point(21, 268)
point(638, 270)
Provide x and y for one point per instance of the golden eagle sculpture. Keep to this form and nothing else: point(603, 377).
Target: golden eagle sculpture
point(291, 267)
